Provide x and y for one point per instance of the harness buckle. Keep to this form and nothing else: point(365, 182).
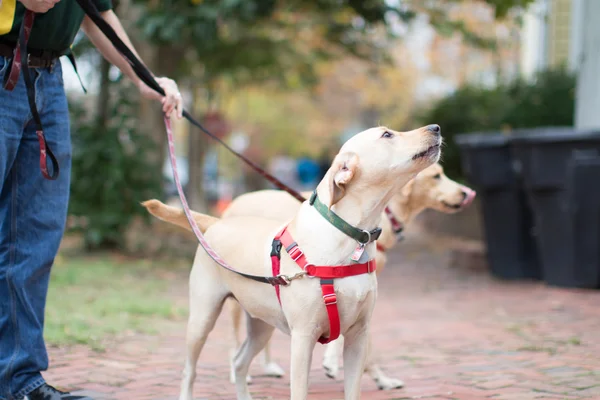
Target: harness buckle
point(295, 253)
point(330, 299)
point(276, 248)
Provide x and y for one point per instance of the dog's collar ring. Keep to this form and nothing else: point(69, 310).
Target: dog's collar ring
point(368, 238)
point(305, 270)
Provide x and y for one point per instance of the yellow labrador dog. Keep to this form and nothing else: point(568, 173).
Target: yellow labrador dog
point(430, 189)
point(369, 168)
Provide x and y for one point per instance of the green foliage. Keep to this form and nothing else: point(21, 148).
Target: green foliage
point(549, 100)
point(91, 300)
point(254, 40)
point(111, 173)
point(503, 7)
point(258, 40)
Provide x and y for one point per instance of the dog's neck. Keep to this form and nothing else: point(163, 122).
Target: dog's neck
point(322, 242)
point(405, 207)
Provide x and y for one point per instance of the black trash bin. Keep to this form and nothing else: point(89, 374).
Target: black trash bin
point(487, 164)
point(584, 200)
point(549, 160)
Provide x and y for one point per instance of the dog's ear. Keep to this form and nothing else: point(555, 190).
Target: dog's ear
point(342, 171)
point(408, 188)
point(407, 191)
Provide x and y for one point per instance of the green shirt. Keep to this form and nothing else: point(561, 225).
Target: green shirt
point(54, 30)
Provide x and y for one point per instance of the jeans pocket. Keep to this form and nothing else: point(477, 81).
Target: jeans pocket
point(57, 73)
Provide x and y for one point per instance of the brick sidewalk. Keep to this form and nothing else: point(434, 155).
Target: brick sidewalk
point(454, 335)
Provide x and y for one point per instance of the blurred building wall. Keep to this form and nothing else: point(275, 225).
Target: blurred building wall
point(551, 35)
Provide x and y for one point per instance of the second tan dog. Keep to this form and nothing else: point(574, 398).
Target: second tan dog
point(430, 189)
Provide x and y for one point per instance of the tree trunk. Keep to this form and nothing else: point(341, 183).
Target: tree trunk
point(198, 144)
point(101, 120)
point(150, 111)
point(103, 98)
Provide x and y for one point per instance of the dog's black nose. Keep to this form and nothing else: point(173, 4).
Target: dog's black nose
point(434, 129)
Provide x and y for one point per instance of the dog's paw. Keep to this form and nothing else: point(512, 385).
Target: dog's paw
point(232, 378)
point(274, 370)
point(386, 383)
point(331, 368)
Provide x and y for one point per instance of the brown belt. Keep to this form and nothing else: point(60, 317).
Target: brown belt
point(36, 58)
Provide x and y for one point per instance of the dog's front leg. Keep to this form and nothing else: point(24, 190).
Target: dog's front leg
point(383, 381)
point(270, 367)
point(356, 343)
point(303, 345)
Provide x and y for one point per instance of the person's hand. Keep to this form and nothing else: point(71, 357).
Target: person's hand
point(39, 6)
point(171, 100)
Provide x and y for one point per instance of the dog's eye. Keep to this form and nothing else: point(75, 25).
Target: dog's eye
point(387, 135)
point(437, 176)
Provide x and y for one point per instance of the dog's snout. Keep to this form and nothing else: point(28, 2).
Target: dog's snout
point(468, 196)
point(434, 128)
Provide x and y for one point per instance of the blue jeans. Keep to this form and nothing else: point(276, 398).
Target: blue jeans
point(33, 213)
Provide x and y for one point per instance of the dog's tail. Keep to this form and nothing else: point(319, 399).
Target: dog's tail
point(176, 216)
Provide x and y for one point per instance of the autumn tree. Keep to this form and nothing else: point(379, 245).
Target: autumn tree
point(268, 41)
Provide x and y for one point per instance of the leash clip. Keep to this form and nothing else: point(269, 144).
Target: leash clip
point(282, 280)
point(285, 280)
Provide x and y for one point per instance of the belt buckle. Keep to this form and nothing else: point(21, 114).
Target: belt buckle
point(31, 62)
point(42, 63)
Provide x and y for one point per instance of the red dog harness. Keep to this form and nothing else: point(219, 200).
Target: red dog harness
point(326, 273)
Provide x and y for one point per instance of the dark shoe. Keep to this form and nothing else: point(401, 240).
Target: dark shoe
point(47, 392)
